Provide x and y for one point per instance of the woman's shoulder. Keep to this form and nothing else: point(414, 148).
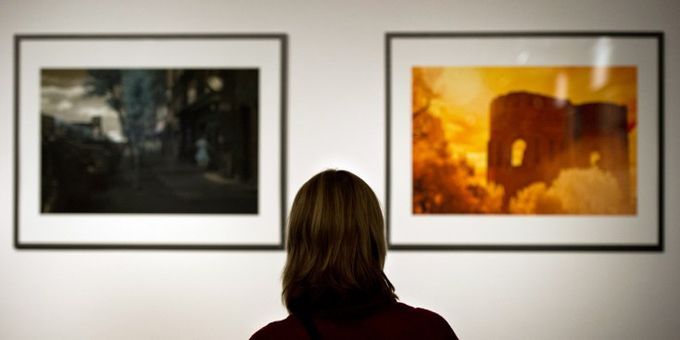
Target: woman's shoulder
point(420, 318)
point(394, 321)
point(289, 328)
point(417, 312)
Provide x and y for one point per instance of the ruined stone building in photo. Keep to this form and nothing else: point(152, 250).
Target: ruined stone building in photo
point(533, 137)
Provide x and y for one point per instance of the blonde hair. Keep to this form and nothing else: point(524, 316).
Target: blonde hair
point(336, 245)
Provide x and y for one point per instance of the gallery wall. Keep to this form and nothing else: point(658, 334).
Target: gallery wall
point(336, 119)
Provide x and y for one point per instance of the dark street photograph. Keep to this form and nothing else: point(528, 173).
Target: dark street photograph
point(149, 141)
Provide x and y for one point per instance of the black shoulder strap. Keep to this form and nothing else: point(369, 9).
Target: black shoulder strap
point(308, 324)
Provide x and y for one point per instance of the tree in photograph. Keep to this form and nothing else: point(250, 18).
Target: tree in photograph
point(135, 95)
point(441, 182)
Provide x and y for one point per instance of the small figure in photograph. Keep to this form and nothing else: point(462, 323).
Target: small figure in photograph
point(202, 156)
point(334, 286)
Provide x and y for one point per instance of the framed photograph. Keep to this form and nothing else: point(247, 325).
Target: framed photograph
point(525, 141)
point(150, 141)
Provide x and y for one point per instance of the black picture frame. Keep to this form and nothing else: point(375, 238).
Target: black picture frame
point(279, 38)
point(658, 246)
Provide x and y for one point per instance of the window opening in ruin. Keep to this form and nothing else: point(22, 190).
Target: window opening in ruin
point(519, 146)
point(595, 158)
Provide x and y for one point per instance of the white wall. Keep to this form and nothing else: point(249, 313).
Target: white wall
point(336, 118)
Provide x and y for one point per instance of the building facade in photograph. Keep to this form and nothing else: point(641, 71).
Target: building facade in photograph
point(533, 137)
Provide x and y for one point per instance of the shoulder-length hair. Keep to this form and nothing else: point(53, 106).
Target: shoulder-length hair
point(336, 246)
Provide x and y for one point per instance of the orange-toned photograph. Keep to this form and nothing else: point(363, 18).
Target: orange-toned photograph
point(525, 140)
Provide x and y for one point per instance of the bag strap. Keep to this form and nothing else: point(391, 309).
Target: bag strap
point(309, 326)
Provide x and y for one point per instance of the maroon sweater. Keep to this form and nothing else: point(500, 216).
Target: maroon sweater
point(394, 321)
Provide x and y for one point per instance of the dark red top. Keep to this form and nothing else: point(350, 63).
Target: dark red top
point(394, 321)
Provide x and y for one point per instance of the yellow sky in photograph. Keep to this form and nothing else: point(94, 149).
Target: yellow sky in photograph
point(463, 96)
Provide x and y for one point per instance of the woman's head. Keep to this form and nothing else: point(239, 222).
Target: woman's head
point(336, 245)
